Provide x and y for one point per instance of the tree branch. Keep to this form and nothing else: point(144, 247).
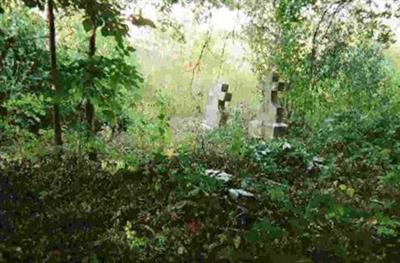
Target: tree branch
point(340, 5)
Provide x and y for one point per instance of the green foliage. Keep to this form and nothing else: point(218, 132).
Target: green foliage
point(107, 16)
point(115, 81)
point(174, 210)
point(331, 61)
point(392, 179)
point(387, 227)
point(275, 159)
point(23, 67)
point(231, 137)
point(264, 230)
point(192, 183)
point(136, 243)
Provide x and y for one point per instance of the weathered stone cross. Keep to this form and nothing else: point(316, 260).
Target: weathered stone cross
point(216, 113)
point(224, 98)
point(278, 128)
point(269, 123)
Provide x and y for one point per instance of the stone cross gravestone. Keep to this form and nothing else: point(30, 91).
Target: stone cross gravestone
point(269, 123)
point(216, 113)
point(276, 128)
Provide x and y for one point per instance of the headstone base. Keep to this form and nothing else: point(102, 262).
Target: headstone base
point(255, 129)
point(277, 129)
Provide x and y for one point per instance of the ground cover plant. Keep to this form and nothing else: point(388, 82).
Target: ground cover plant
point(94, 169)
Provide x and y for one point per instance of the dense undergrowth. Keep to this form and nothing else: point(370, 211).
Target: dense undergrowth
point(332, 197)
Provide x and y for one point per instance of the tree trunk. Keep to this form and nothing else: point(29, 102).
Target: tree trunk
point(89, 107)
point(54, 81)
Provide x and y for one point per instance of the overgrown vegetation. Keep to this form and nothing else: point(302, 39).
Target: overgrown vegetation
point(112, 184)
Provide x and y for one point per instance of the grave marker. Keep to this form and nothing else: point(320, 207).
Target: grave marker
point(270, 124)
point(277, 128)
point(216, 113)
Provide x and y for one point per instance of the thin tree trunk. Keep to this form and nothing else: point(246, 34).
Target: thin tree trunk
point(54, 81)
point(89, 109)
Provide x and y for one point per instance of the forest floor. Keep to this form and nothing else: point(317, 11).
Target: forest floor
point(336, 204)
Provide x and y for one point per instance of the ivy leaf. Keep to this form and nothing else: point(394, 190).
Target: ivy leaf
point(119, 39)
point(87, 24)
point(106, 31)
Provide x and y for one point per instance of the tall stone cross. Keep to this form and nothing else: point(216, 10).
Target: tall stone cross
point(216, 113)
point(269, 123)
point(278, 128)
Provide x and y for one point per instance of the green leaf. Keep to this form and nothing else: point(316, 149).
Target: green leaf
point(87, 24)
point(106, 31)
point(131, 49)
